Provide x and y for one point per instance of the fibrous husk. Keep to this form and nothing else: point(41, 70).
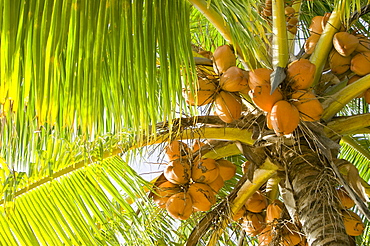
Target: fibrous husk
point(228, 106)
point(205, 171)
point(217, 184)
point(234, 79)
point(258, 77)
point(274, 211)
point(202, 196)
point(353, 224)
point(227, 169)
point(180, 206)
point(256, 203)
point(176, 149)
point(367, 96)
point(344, 199)
point(310, 44)
point(163, 192)
point(308, 105)
point(339, 64)
point(360, 64)
point(265, 237)
point(262, 98)
point(345, 43)
point(253, 224)
point(178, 171)
point(284, 118)
point(223, 58)
point(300, 74)
point(204, 93)
point(316, 25)
point(352, 80)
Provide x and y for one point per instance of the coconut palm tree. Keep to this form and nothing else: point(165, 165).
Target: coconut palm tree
point(89, 86)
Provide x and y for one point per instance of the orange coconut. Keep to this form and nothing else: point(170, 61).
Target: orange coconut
point(367, 96)
point(262, 97)
point(204, 171)
point(227, 169)
point(291, 235)
point(163, 192)
point(274, 211)
point(339, 64)
point(300, 74)
point(256, 203)
point(217, 184)
point(344, 198)
point(316, 25)
point(360, 63)
point(239, 214)
point(308, 105)
point(310, 44)
point(203, 94)
point(345, 43)
point(197, 145)
point(266, 236)
point(202, 196)
point(180, 206)
point(223, 58)
point(353, 224)
point(234, 79)
point(178, 171)
point(253, 223)
point(176, 149)
point(258, 77)
point(284, 118)
point(228, 106)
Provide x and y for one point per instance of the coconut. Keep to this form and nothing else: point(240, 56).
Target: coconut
point(253, 224)
point(180, 206)
point(325, 20)
point(310, 43)
point(234, 79)
point(262, 97)
point(228, 106)
point(339, 64)
point(291, 235)
point(284, 118)
point(217, 184)
point(227, 169)
point(363, 45)
point(289, 11)
point(308, 105)
point(223, 58)
point(316, 25)
point(352, 80)
point(258, 77)
point(239, 214)
point(367, 96)
point(203, 94)
point(345, 43)
point(360, 64)
point(352, 223)
point(197, 145)
point(204, 171)
point(206, 54)
point(266, 236)
point(176, 149)
point(256, 203)
point(344, 198)
point(202, 196)
point(163, 192)
point(178, 171)
point(300, 74)
point(274, 211)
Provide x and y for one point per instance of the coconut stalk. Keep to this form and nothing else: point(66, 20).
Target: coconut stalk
point(313, 186)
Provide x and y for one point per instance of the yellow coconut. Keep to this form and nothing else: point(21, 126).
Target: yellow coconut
point(360, 64)
point(274, 211)
point(234, 79)
point(180, 206)
point(308, 105)
point(300, 74)
point(217, 184)
point(367, 96)
point(176, 149)
point(204, 171)
point(284, 118)
point(316, 25)
point(178, 171)
point(345, 43)
point(258, 77)
point(203, 94)
point(256, 203)
point(253, 224)
point(223, 58)
point(352, 223)
point(262, 97)
point(352, 80)
point(227, 169)
point(202, 196)
point(163, 192)
point(310, 43)
point(228, 106)
point(344, 199)
point(339, 64)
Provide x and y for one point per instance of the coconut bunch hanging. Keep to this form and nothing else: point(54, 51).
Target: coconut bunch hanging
point(190, 183)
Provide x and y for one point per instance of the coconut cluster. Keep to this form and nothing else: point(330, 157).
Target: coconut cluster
point(269, 222)
point(316, 28)
point(290, 15)
point(190, 184)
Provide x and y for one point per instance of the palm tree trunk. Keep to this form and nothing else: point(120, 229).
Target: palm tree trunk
point(312, 184)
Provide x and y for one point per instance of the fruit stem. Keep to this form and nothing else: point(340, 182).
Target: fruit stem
point(280, 41)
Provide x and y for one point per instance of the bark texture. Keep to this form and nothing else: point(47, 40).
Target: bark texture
point(313, 187)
